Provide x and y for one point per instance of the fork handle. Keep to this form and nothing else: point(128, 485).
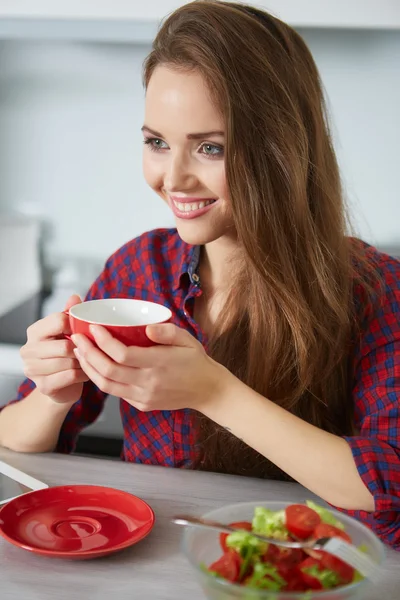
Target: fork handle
point(209, 524)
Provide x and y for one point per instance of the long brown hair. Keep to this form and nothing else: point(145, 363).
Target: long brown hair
point(287, 326)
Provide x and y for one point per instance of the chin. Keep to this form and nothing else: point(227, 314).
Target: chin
point(197, 236)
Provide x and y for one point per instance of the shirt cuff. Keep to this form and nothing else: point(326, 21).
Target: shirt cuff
point(378, 465)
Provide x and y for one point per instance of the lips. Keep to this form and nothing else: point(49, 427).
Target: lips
point(190, 208)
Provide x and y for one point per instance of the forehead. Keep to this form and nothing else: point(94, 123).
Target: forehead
point(180, 101)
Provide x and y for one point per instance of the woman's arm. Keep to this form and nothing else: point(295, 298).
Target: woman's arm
point(32, 425)
point(320, 461)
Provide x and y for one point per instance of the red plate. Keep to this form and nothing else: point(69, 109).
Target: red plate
point(76, 521)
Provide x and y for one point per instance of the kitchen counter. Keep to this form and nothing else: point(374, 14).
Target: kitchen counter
point(155, 569)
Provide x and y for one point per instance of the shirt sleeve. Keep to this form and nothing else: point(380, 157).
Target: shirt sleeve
point(376, 396)
point(87, 409)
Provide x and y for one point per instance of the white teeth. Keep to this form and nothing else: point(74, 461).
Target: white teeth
point(189, 206)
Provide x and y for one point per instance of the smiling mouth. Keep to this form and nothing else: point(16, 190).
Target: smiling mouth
point(192, 206)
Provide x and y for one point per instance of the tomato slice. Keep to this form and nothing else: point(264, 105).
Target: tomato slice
point(295, 583)
point(288, 572)
point(271, 555)
point(228, 566)
point(301, 520)
point(285, 570)
point(239, 525)
point(310, 581)
point(289, 556)
point(325, 530)
point(343, 570)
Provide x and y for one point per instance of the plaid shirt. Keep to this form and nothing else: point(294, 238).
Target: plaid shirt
point(158, 266)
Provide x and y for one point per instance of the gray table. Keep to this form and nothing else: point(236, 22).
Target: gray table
point(154, 569)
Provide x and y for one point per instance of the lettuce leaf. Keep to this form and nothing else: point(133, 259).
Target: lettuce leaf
point(265, 577)
point(270, 523)
point(329, 579)
point(241, 541)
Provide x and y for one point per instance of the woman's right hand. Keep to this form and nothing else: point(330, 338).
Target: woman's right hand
point(49, 360)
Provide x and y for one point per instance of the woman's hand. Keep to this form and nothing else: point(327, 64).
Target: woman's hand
point(173, 375)
point(49, 359)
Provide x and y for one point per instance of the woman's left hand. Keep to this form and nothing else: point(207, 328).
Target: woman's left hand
point(173, 375)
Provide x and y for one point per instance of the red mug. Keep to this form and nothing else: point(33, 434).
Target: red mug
point(126, 319)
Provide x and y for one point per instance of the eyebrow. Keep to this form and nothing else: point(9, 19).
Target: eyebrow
point(190, 136)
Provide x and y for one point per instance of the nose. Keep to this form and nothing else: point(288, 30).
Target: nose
point(178, 175)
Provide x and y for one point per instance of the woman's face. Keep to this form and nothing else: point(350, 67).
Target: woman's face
point(183, 157)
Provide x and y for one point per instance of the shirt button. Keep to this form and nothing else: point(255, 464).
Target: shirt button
point(195, 278)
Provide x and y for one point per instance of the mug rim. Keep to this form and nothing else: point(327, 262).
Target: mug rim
point(120, 300)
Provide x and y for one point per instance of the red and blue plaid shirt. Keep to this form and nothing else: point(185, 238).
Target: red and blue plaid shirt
point(158, 266)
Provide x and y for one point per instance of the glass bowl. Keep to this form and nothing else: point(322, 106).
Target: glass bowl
point(201, 546)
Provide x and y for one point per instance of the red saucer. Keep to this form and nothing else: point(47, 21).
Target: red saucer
point(76, 521)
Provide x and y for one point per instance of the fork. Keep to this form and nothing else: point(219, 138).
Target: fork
point(348, 553)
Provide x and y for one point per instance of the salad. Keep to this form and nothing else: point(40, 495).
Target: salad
point(255, 564)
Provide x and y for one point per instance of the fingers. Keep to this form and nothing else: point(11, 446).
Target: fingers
point(72, 300)
point(48, 357)
point(103, 364)
point(171, 335)
point(103, 383)
point(39, 367)
point(49, 385)
point(48, 349)
point(52, 326)
point(132, 356)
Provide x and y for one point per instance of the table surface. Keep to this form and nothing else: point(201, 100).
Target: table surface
point(155, 569)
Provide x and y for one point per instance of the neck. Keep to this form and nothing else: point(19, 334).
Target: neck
point(215, 264)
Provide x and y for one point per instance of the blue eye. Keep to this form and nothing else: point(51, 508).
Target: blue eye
point(155, 144)
point(212, 150)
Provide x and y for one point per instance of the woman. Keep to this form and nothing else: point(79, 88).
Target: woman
point(284, 356)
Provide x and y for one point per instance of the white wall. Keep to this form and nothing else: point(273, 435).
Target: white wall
point(361, 73)
point(70, 142)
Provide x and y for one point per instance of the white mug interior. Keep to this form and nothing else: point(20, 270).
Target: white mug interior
point(121, 312)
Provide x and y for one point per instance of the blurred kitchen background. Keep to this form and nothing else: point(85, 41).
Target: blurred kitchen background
point(71, 108)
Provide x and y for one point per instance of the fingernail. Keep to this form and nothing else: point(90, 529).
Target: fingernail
point(77, 353)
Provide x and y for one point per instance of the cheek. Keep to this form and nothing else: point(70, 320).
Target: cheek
point(219, 184)
point(152, 172)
